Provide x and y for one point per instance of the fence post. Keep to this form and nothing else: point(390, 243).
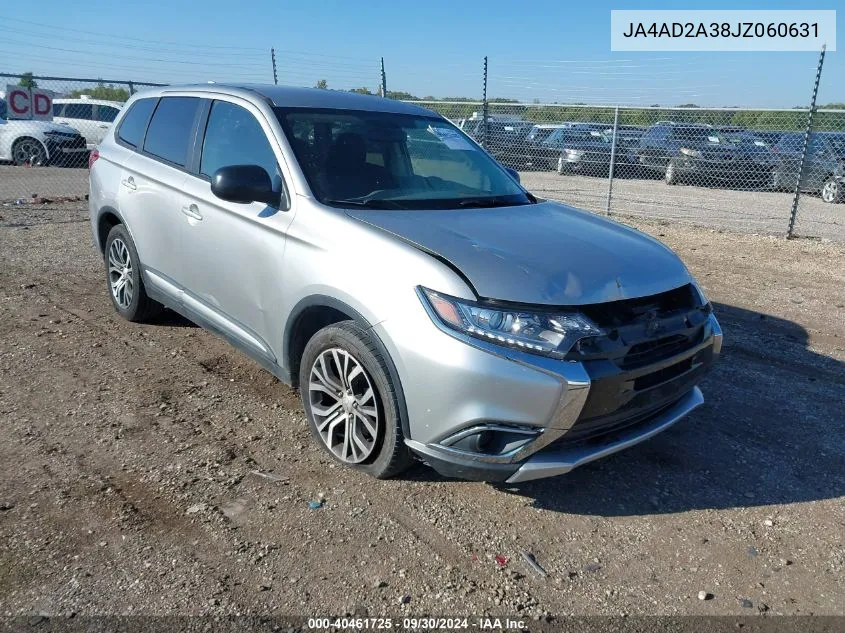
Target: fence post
point(273, 60)
point(612, 160)
point(131, 88)
point(790, 232)
point(383, 80)
point(484, 108)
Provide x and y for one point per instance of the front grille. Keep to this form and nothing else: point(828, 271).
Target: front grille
point(649, 352)
point(625, 311)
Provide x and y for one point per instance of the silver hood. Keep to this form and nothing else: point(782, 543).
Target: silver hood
point(545, 253)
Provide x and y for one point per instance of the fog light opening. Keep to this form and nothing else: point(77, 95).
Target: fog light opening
point(491, 439)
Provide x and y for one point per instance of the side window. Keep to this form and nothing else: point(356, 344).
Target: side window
point(233, 136)
point(169, 133)
point(79, 111)
point(106, 114)
point(57, 109)
point(132, 126)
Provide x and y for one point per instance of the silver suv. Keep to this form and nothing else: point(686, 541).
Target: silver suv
point(373, 255)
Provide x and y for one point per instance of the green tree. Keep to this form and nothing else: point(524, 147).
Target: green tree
point(401, 95)
point(360, 91)
point(107, 93)
point(322, 84)
point(27, 81)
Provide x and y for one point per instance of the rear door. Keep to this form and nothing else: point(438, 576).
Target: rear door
point(233, 252)
point(152, 189)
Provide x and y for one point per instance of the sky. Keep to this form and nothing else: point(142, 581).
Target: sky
point(546, 51)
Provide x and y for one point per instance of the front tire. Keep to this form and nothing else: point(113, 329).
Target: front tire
point(28, 151)
point(563, 167)
point(671, 176)
point(123, 276)
point(832, 191)
point(350, 401)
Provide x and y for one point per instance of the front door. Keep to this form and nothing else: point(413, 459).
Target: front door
point(232, 253)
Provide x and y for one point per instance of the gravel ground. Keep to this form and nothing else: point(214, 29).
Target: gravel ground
point(153, 469)
point(760, 212)
point(756, 212)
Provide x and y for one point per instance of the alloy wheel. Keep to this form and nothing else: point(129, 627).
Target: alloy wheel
point(28, 151)
point(120, 273)
point(830, 191)
point(343, 405)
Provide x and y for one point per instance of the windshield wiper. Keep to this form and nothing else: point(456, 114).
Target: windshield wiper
point(490, 202)
point(372, 203)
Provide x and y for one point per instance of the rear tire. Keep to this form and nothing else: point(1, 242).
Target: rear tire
point(123, 277)
point(350, 401)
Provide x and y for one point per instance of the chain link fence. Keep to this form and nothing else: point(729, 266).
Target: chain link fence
point(734, 169)
point(48, 126)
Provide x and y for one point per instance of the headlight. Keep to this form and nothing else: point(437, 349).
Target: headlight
point(574, 153)
point(692, 153)
point(550, 334)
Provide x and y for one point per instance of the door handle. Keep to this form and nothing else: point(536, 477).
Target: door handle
point(129, 183)
point(192, 211)
point(104, 126)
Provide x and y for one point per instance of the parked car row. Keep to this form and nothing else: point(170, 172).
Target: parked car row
point(78, 126)
point(674, 151)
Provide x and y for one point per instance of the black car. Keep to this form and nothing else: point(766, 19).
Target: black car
point(590, 154)
point(688, 152)
point(506, 136)
point(546, 154)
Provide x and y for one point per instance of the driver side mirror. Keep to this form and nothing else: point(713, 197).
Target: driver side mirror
point(513, 173)
point(244, 184)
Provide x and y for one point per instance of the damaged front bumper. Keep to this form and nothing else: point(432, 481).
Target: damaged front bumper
point(600, 411)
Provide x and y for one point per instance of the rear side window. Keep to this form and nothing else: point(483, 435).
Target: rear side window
point(79, 111)
point(57, 109)
point(169, 134)
point(106, 114)
point(134, 123)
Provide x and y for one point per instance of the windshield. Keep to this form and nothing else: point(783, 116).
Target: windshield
point(623, 137)
point(695, 135)
point(394, 161)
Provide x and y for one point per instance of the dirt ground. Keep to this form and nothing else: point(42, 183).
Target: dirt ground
point(153, 469)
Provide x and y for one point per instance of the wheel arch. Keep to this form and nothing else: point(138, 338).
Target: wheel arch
point(107, 219)
point(315, 312)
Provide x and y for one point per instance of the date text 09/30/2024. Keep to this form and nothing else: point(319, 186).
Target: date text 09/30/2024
point(416, 624)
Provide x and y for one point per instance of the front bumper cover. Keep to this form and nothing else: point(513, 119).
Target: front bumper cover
point(548, 453)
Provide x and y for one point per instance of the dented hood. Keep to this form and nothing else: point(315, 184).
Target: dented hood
point(545, 253)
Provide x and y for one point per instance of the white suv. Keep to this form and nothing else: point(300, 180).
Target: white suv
point(92, 117)
point(39, 143)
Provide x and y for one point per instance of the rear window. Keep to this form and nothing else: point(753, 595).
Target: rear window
point(79, 111)
point(134, 123)
point(169, 134)
point(107, 114)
